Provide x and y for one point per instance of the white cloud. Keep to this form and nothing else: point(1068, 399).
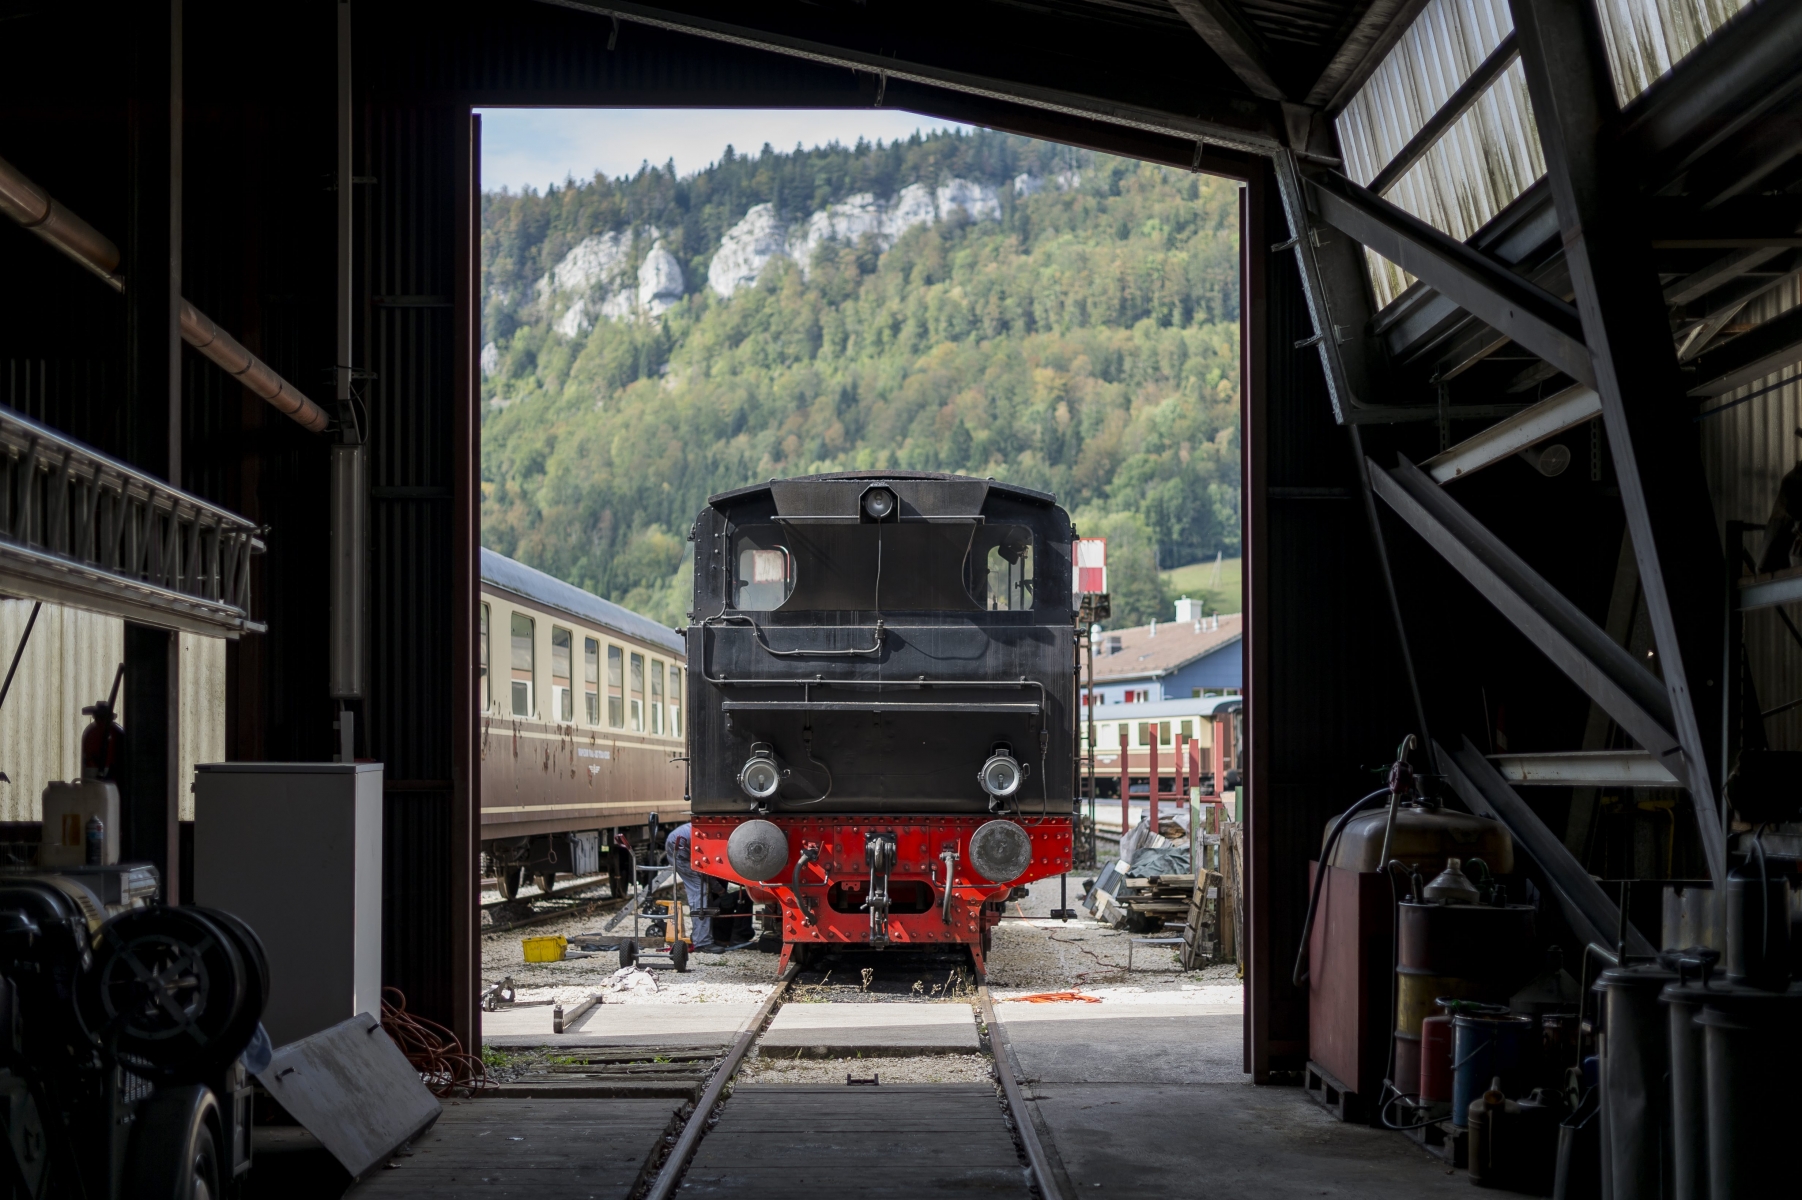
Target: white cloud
point(535, 147)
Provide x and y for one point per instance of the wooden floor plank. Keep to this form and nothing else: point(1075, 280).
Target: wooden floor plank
point(774, 1141)
point(529, 1149)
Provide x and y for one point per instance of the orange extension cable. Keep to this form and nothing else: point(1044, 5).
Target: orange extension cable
point(433, 1050)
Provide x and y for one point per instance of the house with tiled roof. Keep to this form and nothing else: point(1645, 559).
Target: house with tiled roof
point(1192, 656)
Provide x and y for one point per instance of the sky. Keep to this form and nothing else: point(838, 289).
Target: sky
point(535, 147)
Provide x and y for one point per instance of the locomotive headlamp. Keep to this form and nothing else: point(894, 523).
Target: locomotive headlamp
point(761, 775)
point(1001, 775)
point(879, 503)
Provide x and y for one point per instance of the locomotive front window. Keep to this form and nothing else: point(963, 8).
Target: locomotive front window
point(766, 573)
point(956, 566)
point(1008, 582)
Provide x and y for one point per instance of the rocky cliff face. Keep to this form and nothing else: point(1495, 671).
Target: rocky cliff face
point(750, 246)
point(630, 275)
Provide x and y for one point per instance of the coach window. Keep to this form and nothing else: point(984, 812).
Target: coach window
point(616, 703)
point(523, 634)
point(1163, 733)
point(637, 691)
point(675, 701)
point(487, 693)
point(591, 679)
point(563, 701)
point(657, 696)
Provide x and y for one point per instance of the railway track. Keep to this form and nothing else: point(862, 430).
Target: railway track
point(775, 1141)
point(505, 915)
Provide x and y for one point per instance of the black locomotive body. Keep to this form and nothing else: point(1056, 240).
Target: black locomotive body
point(881, 689)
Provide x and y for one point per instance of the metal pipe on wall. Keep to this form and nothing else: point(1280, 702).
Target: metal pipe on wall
point(35, 209)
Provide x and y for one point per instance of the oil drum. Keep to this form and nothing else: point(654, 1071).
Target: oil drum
point(1489, 1044)
point(1752, 1053)
point(1458, 952)
point(1636, 1054)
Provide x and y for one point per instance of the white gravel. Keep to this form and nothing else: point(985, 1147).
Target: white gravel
point(1027, 956)
point(929, 1068)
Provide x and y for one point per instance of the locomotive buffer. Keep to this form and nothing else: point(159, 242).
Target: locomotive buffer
point(881, 687)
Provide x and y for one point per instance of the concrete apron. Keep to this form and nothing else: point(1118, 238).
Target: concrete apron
point(1150, 1098)
point(703, 1024)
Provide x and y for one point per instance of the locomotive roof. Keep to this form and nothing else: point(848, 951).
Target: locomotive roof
point(995, 485)
point(533, 584)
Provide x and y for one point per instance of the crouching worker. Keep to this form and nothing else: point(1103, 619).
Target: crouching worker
point(699, 887)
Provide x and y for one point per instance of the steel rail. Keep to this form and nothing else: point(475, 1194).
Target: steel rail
point(671, 1172)
point(1016, 1100)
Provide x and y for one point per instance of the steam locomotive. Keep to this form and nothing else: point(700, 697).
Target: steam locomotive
point(882, 677)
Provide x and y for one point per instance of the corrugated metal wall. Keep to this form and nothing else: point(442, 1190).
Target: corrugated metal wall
point(69, 664)
point(1746, 451)
point(406, 341)
point(201, 688)
point(1326, 697)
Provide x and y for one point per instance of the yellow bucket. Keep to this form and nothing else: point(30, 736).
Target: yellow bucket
point(544, 949)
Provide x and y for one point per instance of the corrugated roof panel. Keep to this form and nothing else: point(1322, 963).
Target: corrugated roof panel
point(1646, 38)
point(1485, 160)
point(1492, 154)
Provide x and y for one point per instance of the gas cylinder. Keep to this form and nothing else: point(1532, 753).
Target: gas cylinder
point(1636, 1059)
point(1752, 1039)
point(1436, 1064)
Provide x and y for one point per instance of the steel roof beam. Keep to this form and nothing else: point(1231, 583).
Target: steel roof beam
point(1584, 768)
point(1626, 326)
point(1578, 646)
point(1485, 288)
point(1751, 356)
point(1248, 126)
point(1746, 69)
point(1511, 435)
point(1224, 28)
point(1592, 915)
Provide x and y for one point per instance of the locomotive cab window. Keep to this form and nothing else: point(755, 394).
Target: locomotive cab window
point(765, 571)
point(943, 566)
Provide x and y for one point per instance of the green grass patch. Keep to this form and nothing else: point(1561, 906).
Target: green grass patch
point(1220, 587)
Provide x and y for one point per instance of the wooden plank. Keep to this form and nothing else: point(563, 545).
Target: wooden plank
point(779, 1141)
point(530, 1149)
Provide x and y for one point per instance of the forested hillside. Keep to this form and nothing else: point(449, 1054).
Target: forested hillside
point(977, 303)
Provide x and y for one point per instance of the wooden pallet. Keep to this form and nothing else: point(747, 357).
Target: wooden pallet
point(1198, 925)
